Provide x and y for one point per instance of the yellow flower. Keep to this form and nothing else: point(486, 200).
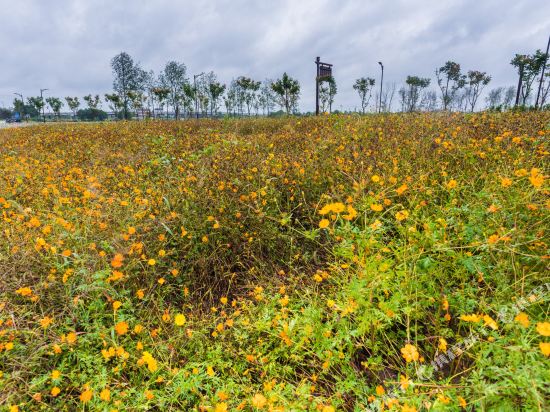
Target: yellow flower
point(14, 408)
point(442, 345)
point(151, 262)
point(545, 348)
point(86, 396)
point(46, 321)
point(536, 178)
point(489, 321)
point(210, 371)
point(543, 328)
point(407, 408)
point(522, 319)
point(506, 182)
point(105, 395)
point(328, 408)
point(71, 338)
point(26, 291)
point(55, 391)
point(121, 328)
point(131, 230)
point(221, 407)
point(323, 223)
point(451, 184)
point(410, 353)
point(66, 253)
point(56, 374)
point(259, 401)
point(380, 390)
point(471, 318)
point(376, 207)
point(116, 305)
point(401, 189)
point(402, 215)
point(375, 178)
point(179, 319)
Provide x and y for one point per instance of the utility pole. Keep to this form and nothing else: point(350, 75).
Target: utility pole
point(43, 104)
point(381, 81)
point(542, 74)
point(195, 76)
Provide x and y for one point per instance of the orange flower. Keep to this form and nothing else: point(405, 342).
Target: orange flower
point(117, 260)
point(86, 396)
point(259, 401)
point(410, 353)
point(121, 328)
point(324, 223)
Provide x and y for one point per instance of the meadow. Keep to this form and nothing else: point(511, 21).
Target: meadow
point(340, 263)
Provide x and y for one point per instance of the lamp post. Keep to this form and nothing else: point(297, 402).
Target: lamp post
point(381, 81)
point(22, 103)
point(43, 104)
point(195, 76)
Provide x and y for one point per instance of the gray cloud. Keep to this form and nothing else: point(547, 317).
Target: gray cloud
point(66, 45)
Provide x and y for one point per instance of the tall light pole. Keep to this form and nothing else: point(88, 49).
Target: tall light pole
point(381, 81)
point(195, 76)
point(22, 104)
point(43, 104)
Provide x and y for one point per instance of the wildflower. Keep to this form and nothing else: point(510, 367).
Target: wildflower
point(545, 348)
point(221, 407)
point(179, 319)
point(328, 408)
point(505, 182)
point(56, 374)
point(324, 223)
point(26, 291)
point(8, 346)
point(105, 395)
point(493, 239)
point(375, 178)
point(140, 294)
point(210, 371)
point(402, 215)
point(117, 260)
point(71, 338)
point(259, 401)
point(66, 253)
point(149, 360)
point(86, 396)
point(407, 408)
point(410, 353)
point(401, 189)
point(470, 318)
point(380, 390)
point(116, 305)
point(489, 321)
point(543, 328)
point(376, 207)
point(442, 346)
point(55, 391)
point(522, 319)
point(46, 321)
point(451, 184)
point(121, 328)
point(131, 230)
point(536, 178)
point(148, 394)
point(151, 262)
point(223, 300)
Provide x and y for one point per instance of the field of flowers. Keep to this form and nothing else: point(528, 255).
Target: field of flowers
point(384, 262)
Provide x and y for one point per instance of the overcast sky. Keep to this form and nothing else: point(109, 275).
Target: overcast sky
point(66, 46)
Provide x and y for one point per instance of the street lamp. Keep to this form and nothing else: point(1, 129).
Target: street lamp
point(22, 103)
point(43, 104)
point(195, 76)
point(381, 81)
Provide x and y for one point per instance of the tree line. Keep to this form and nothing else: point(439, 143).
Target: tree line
point(172, 92)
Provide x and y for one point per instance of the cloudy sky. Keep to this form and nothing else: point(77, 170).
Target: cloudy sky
point(66, 46)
